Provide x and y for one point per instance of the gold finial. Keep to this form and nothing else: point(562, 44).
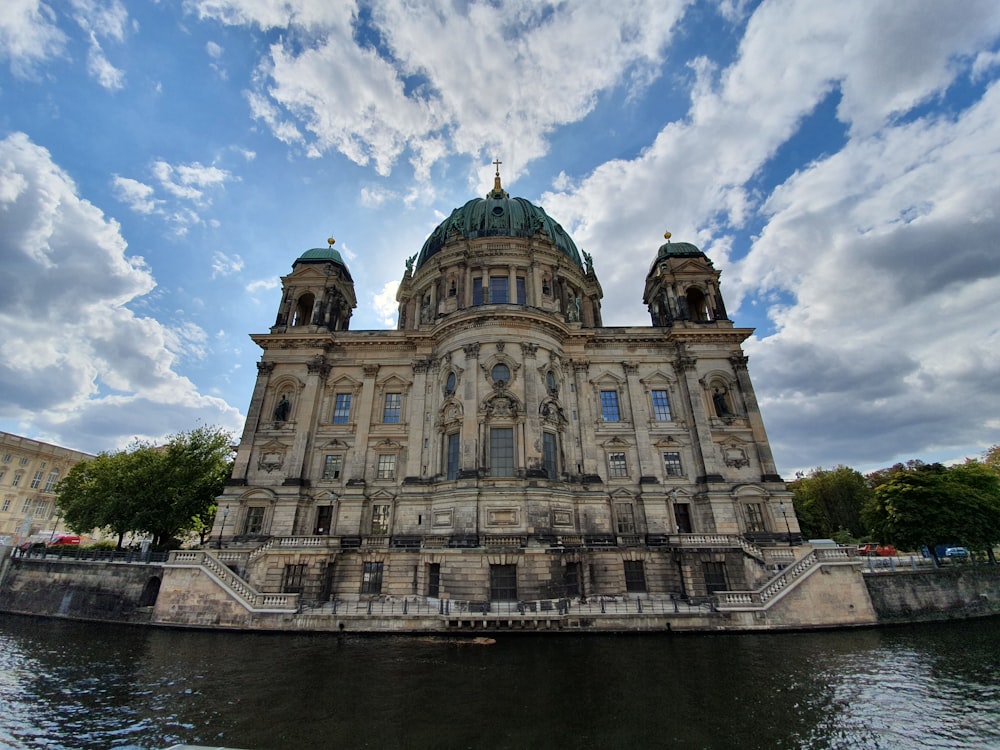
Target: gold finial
point(331, 241)
point(667, 236)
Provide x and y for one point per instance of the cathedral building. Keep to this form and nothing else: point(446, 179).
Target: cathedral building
point(502, 443)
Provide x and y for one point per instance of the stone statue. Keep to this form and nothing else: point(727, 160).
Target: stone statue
point(282, 409)
point(409, 263)
point(719, 401)
point(574, 311)
point(589, 260)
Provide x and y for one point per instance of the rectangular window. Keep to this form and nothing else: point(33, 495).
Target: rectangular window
point(454, 444)
point(393, 407)
point(477, 290)
point(36, 481)
point(635, 576)
point(503, 583)
point(41, 509)
point(342, 409)
point(571, 579)
point(625, 516)
point(499, 290)
point(292, 583)
point(16, 480)
point(672, 464)
point(23, 461)
point(522, 297)
point(26, 507)
point(2, 473)
point(609, 406)
point(380, 520)
point(371, 578)
point(616, 465)
point(332, 466)
point(386, 466)
point(502, 452)
point(6, 458)
point(661, 406)
point(755, 517)
point(254, 523)
point(549, 455)
point(433, 580)
point(50, 483)
point(6, 504)
point(715, 577)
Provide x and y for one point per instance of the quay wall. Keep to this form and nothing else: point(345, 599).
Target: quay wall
point(952, 592)
point(104, 591)
point(829, 596)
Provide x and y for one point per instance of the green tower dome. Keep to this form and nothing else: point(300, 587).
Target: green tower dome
point(324, 255)
point(498, 215)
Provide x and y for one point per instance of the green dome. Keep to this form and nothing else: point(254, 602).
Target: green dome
point(677, 249)
point(324, 255)
point(498, 216)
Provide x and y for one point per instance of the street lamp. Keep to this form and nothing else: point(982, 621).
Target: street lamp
point(225, 515)
point(788, 529)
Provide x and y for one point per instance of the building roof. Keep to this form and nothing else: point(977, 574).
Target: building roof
point(499, 215)
point(324, 255)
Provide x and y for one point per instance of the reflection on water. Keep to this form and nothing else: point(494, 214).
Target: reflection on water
point(81, 685)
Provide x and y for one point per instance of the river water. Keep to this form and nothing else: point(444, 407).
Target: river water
point(82, 685)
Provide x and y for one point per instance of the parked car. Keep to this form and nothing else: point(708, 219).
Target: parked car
point(956, 553)
point(877, 550)
point(64, 540)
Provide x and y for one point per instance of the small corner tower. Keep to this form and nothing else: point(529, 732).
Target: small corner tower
point(682, 287)
point(318, 293)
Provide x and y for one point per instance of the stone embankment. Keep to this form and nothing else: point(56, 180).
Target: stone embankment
point(823, 588)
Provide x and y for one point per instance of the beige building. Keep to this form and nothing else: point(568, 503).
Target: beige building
point(29, 472)
point(503, 444)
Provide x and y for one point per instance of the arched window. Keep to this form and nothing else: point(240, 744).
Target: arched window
point(550, 382)
point(697, 305)
point(500, 374)
point(449, 387)
point(303, 310)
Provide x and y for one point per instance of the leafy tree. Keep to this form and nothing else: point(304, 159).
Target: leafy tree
point(828, 503)
point(933, 505)
point(162, 491)
point(881, 476)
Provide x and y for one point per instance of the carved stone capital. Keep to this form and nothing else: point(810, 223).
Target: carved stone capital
point(739, 360)
point(265, 367)
point(471, 351)
point(529, 350)
point(370, 371)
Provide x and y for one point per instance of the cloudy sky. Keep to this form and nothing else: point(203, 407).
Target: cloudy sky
point(162, 164)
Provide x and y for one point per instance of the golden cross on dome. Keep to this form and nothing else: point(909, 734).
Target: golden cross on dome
point(497, 163)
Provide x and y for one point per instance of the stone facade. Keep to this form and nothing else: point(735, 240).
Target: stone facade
point(503, 443)
point(29, 472)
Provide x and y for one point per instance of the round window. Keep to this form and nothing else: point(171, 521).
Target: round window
point(498, 211)
point(500, 373)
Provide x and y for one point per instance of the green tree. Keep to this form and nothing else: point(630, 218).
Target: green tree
point(932, 505)
point(162, 491)
point(828, 503)
point(100, 493)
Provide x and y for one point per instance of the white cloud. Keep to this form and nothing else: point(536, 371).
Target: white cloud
point(323, 90)
point(74, 359)
point(225, 265)
point(385, 304)
point(29, 35)
point(102, 20)
point(136, 195)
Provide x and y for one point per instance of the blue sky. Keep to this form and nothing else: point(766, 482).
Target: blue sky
point(162, 164)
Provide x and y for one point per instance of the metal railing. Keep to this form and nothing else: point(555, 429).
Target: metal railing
point(595, 606)
point(73, 553)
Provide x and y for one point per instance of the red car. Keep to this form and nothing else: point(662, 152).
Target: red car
point(877, 550)
point(65, 540)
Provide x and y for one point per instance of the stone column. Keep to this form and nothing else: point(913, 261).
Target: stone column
point(640, 414)
point(701, 432)
point(242, 462)
point(470, 419)
point(769, 471)
point(585, 459)
point(416, 453)
point(307, 407)
point(364, 423)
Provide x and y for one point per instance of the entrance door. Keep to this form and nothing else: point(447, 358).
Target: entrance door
point(571, 579)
